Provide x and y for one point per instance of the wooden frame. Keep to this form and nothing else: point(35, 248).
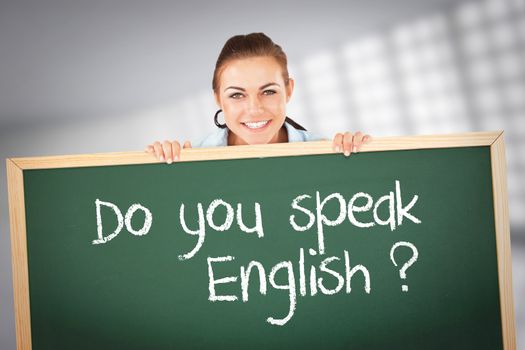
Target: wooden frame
point(16, 166)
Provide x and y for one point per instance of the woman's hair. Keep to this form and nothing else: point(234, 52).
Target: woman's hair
point(246, 46)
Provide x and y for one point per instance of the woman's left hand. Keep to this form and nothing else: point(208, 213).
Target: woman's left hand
point(348, 142)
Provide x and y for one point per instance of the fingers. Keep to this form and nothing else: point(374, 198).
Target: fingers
point(350, 143)
point(175, 149)
point(360, 139)
point(168, 151)
point(338, 142)
point(157, 147)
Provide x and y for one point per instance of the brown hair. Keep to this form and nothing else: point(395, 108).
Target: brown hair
point(246, 46)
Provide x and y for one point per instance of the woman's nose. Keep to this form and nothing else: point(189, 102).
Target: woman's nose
point(255, 105)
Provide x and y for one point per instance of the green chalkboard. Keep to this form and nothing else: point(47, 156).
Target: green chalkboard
point(151, 289)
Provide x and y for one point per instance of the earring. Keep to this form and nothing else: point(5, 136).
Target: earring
point(216, 119)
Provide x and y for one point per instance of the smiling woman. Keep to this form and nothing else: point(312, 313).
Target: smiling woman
point(254, 113)
point(251, 86)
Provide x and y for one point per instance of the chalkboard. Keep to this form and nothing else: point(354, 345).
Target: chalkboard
point(404, 245)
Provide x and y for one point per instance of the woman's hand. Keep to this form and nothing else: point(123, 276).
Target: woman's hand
point(168, 151)
point(348, 142)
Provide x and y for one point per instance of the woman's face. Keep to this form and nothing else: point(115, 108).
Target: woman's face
point(253, 96)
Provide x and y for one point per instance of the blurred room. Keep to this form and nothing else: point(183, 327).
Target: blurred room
point(87, 77)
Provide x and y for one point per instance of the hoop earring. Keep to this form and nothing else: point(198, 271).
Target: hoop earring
point(216, 120)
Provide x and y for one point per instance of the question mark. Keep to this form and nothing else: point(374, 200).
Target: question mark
point(402, 272)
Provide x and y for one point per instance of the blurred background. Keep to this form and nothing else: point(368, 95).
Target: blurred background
point(104, 76)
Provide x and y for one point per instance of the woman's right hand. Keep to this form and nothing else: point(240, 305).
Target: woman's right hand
point(168, 151)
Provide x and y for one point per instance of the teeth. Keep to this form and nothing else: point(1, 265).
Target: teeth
point(256, 125)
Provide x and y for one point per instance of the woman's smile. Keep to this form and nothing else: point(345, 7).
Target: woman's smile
point(257, 126)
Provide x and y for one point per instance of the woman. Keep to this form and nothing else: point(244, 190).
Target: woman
point(251, 86)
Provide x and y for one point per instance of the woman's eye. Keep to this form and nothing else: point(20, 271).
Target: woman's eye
point(269, 92)
point(236, 95)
